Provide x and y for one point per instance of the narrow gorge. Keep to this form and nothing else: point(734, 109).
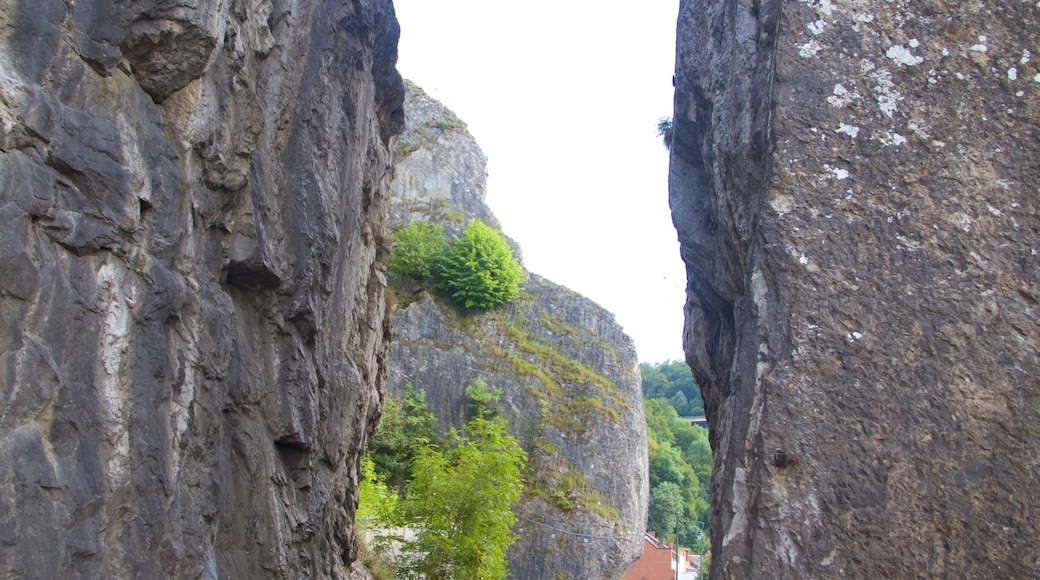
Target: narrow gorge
point(567, 372)
point(198, 200)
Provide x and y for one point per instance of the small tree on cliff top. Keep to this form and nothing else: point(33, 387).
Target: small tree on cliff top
point(418, 248)
point(479, 271)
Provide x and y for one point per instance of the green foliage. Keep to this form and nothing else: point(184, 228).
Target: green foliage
point(669, 380)
point(680, 467)
point(461, 498)
point(664, 130)
point(479, 270)
point(457, 496)
point(482, 402)
point(444, 124)
point(406, 427)
point(420, 246)
point(375, 501)
point(666, 502)
point(405, 148)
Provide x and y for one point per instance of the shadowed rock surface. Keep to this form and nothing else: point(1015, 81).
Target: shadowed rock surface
point(194, 328)
point(568, 373)
point(855, 189)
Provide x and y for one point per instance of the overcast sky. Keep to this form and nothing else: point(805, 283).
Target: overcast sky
point(564, 97)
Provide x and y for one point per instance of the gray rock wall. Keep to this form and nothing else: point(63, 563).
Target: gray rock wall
point(854, 184)
point(194, 331)
point(568, 373)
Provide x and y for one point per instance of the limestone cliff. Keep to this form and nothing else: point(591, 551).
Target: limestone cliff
point(854, 184)
point(568, 373)
point(194, 329)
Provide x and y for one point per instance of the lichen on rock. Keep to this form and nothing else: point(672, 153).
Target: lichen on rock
point(851, 182)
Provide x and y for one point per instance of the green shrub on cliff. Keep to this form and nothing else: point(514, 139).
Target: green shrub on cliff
point(479, 271)
point(419, 247)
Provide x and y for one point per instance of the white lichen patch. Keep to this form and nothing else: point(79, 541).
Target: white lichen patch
point(837, 172)
point(850, 130)
point(981, 46)
point(854, 336)
point(1036, 78)
point(1012, 74)
point(841, 96)
point(1026, 57)
point(809, 49)
point(892, 139)
point(913, 43)
point(903, 56)
point(816, 28)
point(994, 210)
point(965, 222)
point(887, 96)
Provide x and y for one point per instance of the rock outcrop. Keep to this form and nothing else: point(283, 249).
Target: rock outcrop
point(194, 323)
point(567, 372)
point(854, 184)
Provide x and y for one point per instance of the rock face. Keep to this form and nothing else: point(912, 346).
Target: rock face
point(568, 373)
point(854, 185)
point(194, 327)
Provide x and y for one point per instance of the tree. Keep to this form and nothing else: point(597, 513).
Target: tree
point(481, 401)
point(679, 454)
point(375, 501)
point(664, 380)
point(407, 425)
point(460, 499)
point(479, 270)
point(419, 247)
point(666, 501)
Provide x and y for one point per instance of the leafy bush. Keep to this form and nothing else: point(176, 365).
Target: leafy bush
point(406, 426)
point(458, 497)
point(419, 247)
point(482, 401)
point(462, 495)
point(479, 270)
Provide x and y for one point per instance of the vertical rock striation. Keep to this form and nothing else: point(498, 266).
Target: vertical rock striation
point(194, 330)
point(854, 184)
point(567, 372)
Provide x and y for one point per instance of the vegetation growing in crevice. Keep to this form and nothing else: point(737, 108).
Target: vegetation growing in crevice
point(560, 484)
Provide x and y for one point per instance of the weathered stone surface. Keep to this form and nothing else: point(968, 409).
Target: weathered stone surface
point(194, 330)
point(854, 185)
point(567, 372)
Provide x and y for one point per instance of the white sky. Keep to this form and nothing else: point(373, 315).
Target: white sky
point(564, 97)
